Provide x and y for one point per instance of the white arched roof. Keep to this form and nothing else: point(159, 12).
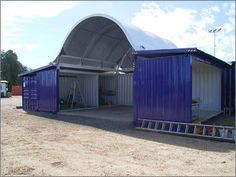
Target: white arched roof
point(102, 41)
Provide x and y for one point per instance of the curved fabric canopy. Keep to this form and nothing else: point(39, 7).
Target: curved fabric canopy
point(101, 41)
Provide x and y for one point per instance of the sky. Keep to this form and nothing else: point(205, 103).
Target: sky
point(36, 30)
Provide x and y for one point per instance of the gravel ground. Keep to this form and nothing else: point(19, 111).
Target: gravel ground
point(44, 144)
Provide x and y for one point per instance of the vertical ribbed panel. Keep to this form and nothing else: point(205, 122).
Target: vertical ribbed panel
point(65, 83)
point(228, 87)
point(108, 83)
point(88, 85)
point(162, 89)
point(206, 85)
point(30, 93)
point(25, 92)
point(47, 82)
point(125, 89)
point(122, 84)
point(89, 89)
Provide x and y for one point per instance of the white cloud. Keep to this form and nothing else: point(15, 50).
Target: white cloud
point(230, 9)
point(225, 5)
point(21, 46)
point(12, 10)
point(33, 46)
point(188, 27)
point(228, 27)
point(9, 33)
point(215, 9)
point(16, 13)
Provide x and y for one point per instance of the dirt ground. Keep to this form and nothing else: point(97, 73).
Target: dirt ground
point(42, 144)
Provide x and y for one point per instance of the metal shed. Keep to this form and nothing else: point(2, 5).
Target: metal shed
point(95, 61)
point(105, 63)
point(168, 84)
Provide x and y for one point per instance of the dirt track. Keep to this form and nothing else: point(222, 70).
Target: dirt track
point(42, 144)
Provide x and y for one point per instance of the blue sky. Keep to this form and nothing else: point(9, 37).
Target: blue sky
point(36, 30)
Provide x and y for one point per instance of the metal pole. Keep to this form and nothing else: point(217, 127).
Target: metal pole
point(214, 43)
point(214, 31)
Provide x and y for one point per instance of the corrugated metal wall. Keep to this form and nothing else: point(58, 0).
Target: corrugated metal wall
point(30, 93)
point(65, 83)
point(122, 84)
point(25, 93)
point(47, 82)
point(89, 89)
point(206, 85)
point(228, 87)
point(40, 91)
point(125, 89)
point(16, 90)
point(108, 83)
point(88, 85)
point(162, 89)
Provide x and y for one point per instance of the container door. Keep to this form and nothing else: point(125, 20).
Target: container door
point(26, 92)
point(162, 89)
point(29, 97)
point(48, 90)
point(33, 93)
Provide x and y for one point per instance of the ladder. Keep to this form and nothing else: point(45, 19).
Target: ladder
point(76, 95)
point(216, 132)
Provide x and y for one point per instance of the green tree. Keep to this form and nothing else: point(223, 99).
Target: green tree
point(11, 67)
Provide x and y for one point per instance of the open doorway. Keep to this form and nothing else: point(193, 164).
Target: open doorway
point(116, 90)
point(206, 91)
point(78, 91)
point(97, 96)
point(108, 90)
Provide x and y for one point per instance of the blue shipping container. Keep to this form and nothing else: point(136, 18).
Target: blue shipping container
point(163, 89)
point(30, 93)
point(228, 87)
point(40, 91)
point(48, 90)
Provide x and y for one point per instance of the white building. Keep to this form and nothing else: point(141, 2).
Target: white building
point(4, 88)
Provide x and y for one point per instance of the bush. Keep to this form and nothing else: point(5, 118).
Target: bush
point(9, 94)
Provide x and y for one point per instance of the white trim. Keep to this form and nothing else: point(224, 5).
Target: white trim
point(78, 72)
point(73, 66)
point(88, 59)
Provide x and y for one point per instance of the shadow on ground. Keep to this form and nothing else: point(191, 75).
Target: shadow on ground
point(127, 128)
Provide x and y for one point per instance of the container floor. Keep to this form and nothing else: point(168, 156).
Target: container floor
point(205, 115)
point(117, 113)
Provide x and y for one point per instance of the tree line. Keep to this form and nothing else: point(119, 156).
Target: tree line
point(11, 67)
